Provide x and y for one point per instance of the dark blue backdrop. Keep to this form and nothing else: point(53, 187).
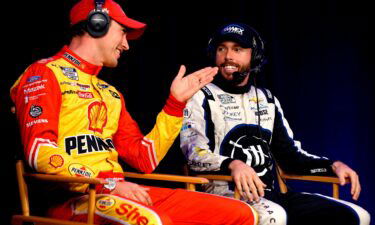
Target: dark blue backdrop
point(318, 67)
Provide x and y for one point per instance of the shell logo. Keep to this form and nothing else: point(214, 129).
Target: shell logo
point(97, 115)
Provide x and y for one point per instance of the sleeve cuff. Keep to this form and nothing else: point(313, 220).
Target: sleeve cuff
point(174, 107)
point(224, 167)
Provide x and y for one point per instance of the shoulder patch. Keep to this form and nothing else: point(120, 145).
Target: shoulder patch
point(207, 93)
point(268, 94)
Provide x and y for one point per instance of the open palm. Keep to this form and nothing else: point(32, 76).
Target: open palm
point(183, 88)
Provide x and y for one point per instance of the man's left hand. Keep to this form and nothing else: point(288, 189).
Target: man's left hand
point(343, 171)
point(183, 88)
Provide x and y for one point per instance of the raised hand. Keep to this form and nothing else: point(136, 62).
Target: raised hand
point(183, 88)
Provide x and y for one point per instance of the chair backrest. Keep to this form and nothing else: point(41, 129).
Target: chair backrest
point(24, 197)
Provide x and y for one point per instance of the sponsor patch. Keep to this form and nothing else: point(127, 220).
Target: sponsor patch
point(33, 97)
point(261, 112)
point(68, 92)
point(32, 123)
point(136, 215)
point(102, 86)
point(35, 111)
point(83, 94)
point(84, 144)
point(80, 170)
point(114, 94)
point(83, 87)
point(186, 113)
point(70, 72)
point(35, 83)
point(105, 203)
point(226, 99)
point(233, 29)
point(56, 161)
point(318, 170)
point(33, 89)
point(187, 126)
point(33, 79)
point(72, 59)
point(97, 113)
point(256, 100)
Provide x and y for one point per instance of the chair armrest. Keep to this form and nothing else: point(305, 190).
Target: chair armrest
point(64, 179)
point(167, 177)
point(325, 179)
point(216, 177)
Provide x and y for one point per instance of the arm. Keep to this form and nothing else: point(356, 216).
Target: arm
point(198, 143)
point(145, 152)
point(198, 138)
point(289, 154)
point(37, 98)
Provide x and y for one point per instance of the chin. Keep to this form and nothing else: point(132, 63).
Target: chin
point(111, 64)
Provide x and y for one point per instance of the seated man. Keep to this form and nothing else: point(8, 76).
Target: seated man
point(233, 127)
point(74, 124)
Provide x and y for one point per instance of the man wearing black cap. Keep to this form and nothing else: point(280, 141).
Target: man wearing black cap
point(233, 127)
point(74, 124)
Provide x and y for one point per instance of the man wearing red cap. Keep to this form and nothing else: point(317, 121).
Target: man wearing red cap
point(74, 124)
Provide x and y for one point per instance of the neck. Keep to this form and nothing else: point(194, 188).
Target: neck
point(228, 86)
point(86, 48)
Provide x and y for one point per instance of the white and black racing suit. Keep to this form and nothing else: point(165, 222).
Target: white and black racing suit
point(220, 126)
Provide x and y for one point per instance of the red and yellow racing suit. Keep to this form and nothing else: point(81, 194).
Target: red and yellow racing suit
point(74, 124)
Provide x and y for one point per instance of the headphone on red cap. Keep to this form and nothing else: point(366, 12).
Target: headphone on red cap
point(98, 20)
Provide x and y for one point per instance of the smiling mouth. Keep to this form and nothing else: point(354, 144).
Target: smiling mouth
point(229, 68)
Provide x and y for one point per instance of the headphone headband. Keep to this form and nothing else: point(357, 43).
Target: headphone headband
point(98, 20)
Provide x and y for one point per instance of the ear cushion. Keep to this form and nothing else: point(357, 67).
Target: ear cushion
point(97, 23)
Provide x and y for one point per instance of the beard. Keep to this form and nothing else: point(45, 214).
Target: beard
point(236, 77)
point(232, 85)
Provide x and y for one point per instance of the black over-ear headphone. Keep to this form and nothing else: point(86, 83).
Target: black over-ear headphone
point(98, 20)
point(258, 58)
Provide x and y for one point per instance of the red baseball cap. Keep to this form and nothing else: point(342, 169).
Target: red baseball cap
point(81, 10)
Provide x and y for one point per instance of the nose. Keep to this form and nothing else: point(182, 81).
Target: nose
point(124, 43)
point(229, 55)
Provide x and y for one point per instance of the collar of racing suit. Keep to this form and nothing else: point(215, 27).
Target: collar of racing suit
point(229, 87)
point(78, 62)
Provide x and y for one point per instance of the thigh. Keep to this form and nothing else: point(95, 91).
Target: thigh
point(189, 207)
point(270, 213)
point(308, 208)
point(110, 209)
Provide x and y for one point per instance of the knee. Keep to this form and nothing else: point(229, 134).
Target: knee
point(364, 216)
point(279, 217)
point(275, 215)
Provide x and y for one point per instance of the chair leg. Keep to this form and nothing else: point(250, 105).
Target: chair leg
point(335, 191)
point(91, 209)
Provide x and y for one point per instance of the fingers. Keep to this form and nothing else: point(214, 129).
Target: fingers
point(356, 186)
point(181, 72)
point(260, 186)
point(206, 75)
point(341, 179)
point(250, 188)
point(142, 196)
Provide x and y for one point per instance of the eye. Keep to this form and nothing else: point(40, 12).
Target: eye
point(220, 49)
